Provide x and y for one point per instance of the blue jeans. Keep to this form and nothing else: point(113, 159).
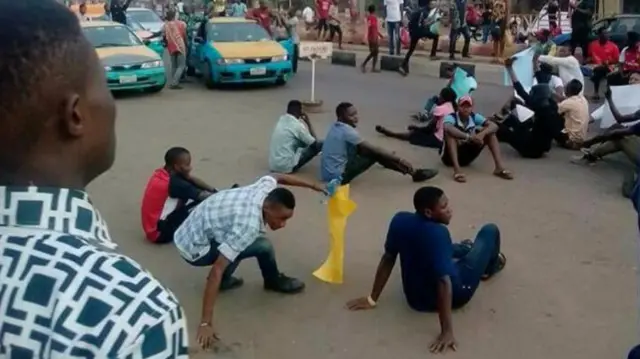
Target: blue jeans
point(486, 31)
point(453, 37)
point(393, 31)
point(481, 259)
point(261, 249)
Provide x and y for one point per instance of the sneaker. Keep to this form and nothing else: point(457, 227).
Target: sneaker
point(231, 283)
point(424, 174)
point(284, 284)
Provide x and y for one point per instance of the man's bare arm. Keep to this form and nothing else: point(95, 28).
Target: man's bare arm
point(295, 181)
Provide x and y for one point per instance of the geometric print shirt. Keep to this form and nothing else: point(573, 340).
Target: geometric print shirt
point(232, 219)
point(65, 292)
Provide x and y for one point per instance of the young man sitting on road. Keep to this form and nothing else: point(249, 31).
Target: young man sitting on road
point(345, 155)
point(575, 111)
point(432, 279)
point(170, 194)
point(465, 135)
point(617, 138)
point(294, 142)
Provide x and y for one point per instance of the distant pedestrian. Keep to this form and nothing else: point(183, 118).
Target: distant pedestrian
point(175, 33)
point(459, 26)
point(334, 23)
point(118, 10)
point(238, 9)
point(394, 20)
point(581, 23)
point(423, 24)
point(373, 38)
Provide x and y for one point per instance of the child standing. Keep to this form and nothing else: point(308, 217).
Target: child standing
point(373, 37)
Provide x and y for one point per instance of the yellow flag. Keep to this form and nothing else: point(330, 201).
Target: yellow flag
point(339, 209)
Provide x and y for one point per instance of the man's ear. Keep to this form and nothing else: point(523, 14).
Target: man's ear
point(73, 119)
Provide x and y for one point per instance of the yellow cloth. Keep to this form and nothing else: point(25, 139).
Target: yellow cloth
point(339, 209)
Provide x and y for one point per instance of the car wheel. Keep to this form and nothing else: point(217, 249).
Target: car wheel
point(206, 74)
point(281, 81)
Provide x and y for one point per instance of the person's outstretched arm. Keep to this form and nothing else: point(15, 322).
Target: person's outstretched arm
point(385, 267)
point(620, 118)
point(522, 93)
point(295, 181)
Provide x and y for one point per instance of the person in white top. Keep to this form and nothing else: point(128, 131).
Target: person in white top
point(180, 7)
point(393, 19)
point(568, 65)
point(82, 13)
point(308, 15)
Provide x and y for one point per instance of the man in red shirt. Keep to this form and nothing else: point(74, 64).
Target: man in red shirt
point(175, 34)
point(170, 195)
point(322, 8)
point(603, 55)
point(373, 37)
point(262, 15)
point(629, 62)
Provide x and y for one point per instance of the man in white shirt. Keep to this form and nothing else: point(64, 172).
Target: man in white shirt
point(393, 19)
point(568, 66)
point(293, 142)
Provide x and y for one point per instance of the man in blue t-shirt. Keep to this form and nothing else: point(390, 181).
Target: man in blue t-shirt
point(345, 155)
point(432, 279)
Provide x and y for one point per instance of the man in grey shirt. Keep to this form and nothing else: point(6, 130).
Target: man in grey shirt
point(345, 155)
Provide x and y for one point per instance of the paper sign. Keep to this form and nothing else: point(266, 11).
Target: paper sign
point(622, 97)
point(523, 69)
point(316, 48)
point(339, 209)
point(462, 83)
point(523, 113)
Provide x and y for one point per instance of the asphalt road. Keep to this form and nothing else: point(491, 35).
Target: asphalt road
point(568, 291)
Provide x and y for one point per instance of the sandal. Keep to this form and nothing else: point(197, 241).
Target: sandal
point(504, 174)
point(502, 262)
point(459, 177)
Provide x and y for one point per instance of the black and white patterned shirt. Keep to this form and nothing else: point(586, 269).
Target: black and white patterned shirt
point(64, 292)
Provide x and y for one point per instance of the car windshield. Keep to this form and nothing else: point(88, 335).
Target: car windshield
point(144, 16)
point(237, 32)
point(111, 36)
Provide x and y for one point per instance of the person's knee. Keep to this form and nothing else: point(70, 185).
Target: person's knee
point(489, 231)
point(263, 246)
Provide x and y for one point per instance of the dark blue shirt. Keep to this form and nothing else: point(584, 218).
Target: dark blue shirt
point(426, 256)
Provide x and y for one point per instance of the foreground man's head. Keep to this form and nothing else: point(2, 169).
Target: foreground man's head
point(56, 114)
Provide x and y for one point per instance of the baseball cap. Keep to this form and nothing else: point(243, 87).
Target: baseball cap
point(465, 100)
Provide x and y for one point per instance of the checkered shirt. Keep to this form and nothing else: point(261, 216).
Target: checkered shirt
point(65, 292)
point(231, 218)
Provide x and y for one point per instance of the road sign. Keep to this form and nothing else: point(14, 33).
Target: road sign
point(316, 49)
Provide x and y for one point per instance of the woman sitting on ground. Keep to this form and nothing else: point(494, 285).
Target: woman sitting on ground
point(532, 138)
point(465, 134)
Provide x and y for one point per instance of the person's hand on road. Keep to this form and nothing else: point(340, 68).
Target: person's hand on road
point(206, 336)
point(359, 304)
point(443, 342)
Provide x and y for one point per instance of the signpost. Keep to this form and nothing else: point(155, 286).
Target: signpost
point(314, 50)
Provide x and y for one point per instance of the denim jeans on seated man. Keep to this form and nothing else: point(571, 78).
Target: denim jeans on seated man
point(261, 249)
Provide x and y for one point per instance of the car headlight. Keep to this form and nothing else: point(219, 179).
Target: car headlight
point(107, 68)
point(230, 61)
point(152, 64)
point(279, 58)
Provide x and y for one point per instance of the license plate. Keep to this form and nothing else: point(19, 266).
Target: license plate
point(127, 79)
point(257, 71)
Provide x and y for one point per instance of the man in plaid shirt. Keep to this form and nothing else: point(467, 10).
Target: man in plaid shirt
point(228, 227)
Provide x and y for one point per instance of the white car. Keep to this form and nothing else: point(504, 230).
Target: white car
point(146, 17)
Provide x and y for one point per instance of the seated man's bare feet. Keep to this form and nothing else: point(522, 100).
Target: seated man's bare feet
point(503, 173)
point(459, 177)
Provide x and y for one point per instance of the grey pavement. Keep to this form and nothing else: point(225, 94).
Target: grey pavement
point(568, 290)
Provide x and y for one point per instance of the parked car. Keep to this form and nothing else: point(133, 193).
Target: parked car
point(128, 63)
point(147, 18)
point(237, 50)
point(617, 27)
point(154, 43)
